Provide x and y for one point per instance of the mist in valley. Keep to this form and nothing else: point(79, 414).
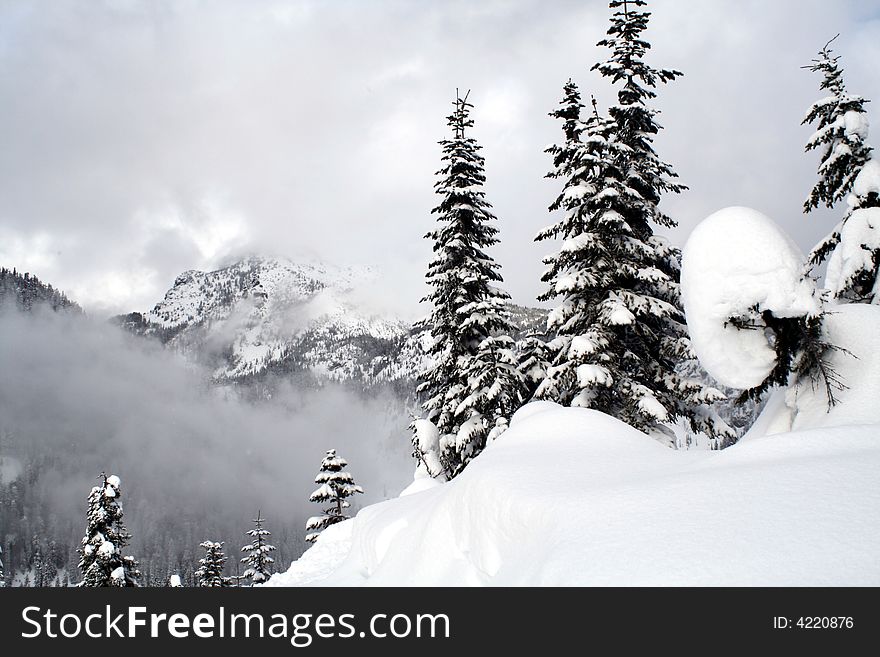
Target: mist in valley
point(79, 396)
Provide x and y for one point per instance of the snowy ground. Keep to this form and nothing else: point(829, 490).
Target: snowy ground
point(573, 497)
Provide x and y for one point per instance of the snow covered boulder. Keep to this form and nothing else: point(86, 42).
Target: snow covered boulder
point(737, 265)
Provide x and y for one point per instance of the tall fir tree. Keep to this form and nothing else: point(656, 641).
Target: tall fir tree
point(335, 487)
point(102, 561)
point(2, 574)
point(258, 557)
point(620, 331)
point(469, 324)
point(846, 170)
point(841, 133)
point(210, 571)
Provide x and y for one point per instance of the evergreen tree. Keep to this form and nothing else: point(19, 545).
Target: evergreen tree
point(37, 563)
point(258, 559)
point(335, 486)
point(853, 273)
point(802, 353)
point(467, 307)
point(846, 170)
point(841, 133)
point(102, 562)
point(210, 571)
point(566, 155)
point(533, 354)
point(2, 575)
point(620, 331)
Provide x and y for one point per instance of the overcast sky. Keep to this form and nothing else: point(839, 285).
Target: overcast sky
point(141, 139)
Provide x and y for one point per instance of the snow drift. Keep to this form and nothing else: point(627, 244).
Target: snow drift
point(570, 496)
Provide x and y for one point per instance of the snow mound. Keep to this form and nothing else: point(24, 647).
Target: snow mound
point(735, 262)
point(569, 496)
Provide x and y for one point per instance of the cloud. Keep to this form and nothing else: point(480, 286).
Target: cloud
point(142, 139)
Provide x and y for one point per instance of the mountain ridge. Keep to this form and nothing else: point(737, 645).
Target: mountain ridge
point(270, 317)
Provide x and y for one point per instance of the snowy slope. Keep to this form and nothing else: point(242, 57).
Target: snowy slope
point(573, 497)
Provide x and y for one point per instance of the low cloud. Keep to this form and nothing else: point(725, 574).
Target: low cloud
point(81, 397)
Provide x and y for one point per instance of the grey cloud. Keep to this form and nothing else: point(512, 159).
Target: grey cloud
point(145, 138)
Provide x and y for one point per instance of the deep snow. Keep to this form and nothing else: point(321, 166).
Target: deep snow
point(570, 496)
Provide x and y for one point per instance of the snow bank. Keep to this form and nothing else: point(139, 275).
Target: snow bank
point(737, 260)
point(569, 496)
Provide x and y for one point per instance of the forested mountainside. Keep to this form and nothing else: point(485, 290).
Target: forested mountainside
point(26, 291)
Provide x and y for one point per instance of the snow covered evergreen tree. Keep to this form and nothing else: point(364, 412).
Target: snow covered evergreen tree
point(841, 133)
point(210, 571)
point(620, 331)
point(533, 354)
point(335, 486)
point(566, 155)
point(469, 324)
point(258, 559)
point(101, 556)
point(846, 170)
point(2, 575)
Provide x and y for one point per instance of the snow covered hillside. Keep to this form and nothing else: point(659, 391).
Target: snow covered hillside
point(570, 496)
point(262, 316)
point(271, 314)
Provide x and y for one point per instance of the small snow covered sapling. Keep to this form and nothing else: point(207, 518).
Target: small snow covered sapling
point(533, 354)
point(210, 571)
point(426, 447)
point(335, 486)
point(101, 559)
point(258, 559)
